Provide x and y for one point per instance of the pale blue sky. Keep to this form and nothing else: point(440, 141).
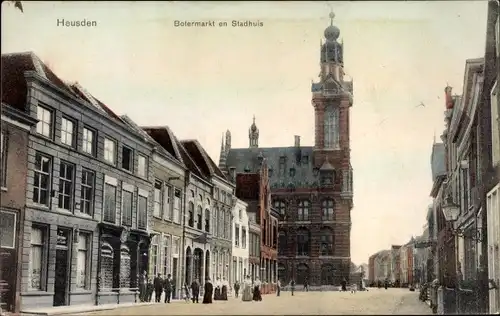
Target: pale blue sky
point(201, 82)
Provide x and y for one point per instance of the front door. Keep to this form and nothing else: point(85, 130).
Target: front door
point(8, 262)
point(62, 275)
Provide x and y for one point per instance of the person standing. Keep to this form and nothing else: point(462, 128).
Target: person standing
point(208, 291)
point(217, 292)
point(142, 286)
point(158, 285)
point(306, 285)
point(236, 288)
point(195, 290)
point(278, 288)
point(292, 286)
point(247, 290)
point(150, 289)
point(344, 285)
point(167, 288)
point(256, 291)
point(225, 286)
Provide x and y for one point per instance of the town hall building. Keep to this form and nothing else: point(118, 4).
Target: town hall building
point(311, 186)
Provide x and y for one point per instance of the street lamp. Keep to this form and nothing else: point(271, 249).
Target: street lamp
point(451, 211)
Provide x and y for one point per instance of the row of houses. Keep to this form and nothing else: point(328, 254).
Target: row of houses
point(401, 265)
point(460, 247)
point(90, 200)
point(464, 221)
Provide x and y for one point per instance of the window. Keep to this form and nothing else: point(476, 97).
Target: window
point(154, 255)
point(66, 171)
point(305, 160)
point(158, 199)
point(127, 158)
point(240, 214)
point(124, 267)
point(142, 166)
point(7, 229)
point(199, 218)
point(327, 178)
point(177, 206)
point(37, 260)
point(127, 201)
point(216, 193)
point(41, 185)
point(327, 208)
point(88, 142)
point(200, 197)
point(220, 223)
point(3, 159)
point(237, 235)
point(465, 188)
point(302, 273)
point(243, 237)
point(331, 128)
point(207, 220)
point(44, 125)
point(167, 209)
point(166, 255)
point(264, 233)
point(282, 243)
point(302, 242)
point(109, 214)
point(275, 235)
point(87, 192)
point(303, 211)
point(292, 172)
point(191, 214)
point(326, 242)
point(280, 206)
point(142, 214)
point(327, 272)
point(67, 132)
point(270, 172)
point(82, 261)
point(216, 222)
point(109, 150)
point(192, 193)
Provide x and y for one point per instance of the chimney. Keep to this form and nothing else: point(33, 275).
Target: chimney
point(297, 141)
point(232, 173)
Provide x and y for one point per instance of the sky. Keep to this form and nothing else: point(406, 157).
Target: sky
point(204, 81)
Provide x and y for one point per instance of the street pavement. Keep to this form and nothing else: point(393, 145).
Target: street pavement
point(375, 301)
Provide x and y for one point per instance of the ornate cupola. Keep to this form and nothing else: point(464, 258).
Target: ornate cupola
point(332, 60)
point(253, 135)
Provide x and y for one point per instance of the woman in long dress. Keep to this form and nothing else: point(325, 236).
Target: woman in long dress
point(256, 291)
point(217, 294)
point(225, 286)
point(247, 290)
point(208, 291)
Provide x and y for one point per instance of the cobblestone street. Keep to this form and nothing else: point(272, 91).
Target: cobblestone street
point(375, 301)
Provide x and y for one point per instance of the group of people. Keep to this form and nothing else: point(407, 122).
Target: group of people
point(218, 291)
point(159, 286)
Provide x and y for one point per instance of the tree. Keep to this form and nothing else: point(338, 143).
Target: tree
point(18, 5)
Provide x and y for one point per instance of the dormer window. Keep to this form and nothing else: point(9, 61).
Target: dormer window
point(326, 178)
point(305, 160)
point(292, 172)
point(315, 172)
point(270, 172)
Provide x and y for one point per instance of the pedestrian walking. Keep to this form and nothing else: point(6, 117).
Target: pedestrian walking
point(143, 280)
point(257, 296)
point(247, 290)
point(236, 288)
point(195, 290)
point(225, 287)
point(278, 288)
point(158, 285)
point(344, 285)
point(187, 293)
point(306, 285)
point(150, 289)
point(167, 288)
point(292, 286)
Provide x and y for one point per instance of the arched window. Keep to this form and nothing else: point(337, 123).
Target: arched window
point(199, 218)
point(326, 242)
point(331, 129)
point(221, 223)
point(327, 277)
point(303, 211)
point(302, 273)
point(208, 202)
point(107, 266)
point(282, 243)
point(282, 275)
point(124, 267)
point(303, 242)
point(192, 193)
point(207, 220)
point(280, 206)
point(327, 208)
point(191, 214)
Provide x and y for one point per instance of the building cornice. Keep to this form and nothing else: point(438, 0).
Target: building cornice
point(16, 117)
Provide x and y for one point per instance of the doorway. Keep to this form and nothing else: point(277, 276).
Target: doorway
point(62, 271)
point(8, 259)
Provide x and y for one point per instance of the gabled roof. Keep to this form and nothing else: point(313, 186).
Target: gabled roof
point(188, 161)
point(14, 86)
point(202, 159)
point(163, 136)
point(248, 186)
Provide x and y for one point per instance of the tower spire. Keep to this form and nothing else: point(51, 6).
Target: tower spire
point(253, 135)
point(222, 156)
